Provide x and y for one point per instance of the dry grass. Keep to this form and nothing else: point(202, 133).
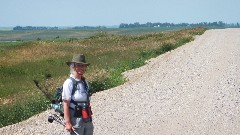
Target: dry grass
point(33, 52)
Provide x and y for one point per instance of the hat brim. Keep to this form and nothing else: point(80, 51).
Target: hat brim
point(70, 62)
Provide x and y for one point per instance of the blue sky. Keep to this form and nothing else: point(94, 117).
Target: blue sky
point(113, 12)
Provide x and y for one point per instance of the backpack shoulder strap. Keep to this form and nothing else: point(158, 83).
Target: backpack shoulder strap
point(87, 90)
point(74, 85)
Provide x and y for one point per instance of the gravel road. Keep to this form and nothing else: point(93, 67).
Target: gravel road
point(194, 89)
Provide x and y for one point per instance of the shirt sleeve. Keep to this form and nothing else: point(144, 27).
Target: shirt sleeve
point(67, 90)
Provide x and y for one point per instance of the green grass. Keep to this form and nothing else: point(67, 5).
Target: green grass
point(109, 54)
point(22, 110)
point(8, 45)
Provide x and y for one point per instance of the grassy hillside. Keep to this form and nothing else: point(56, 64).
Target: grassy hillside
point(44, 60)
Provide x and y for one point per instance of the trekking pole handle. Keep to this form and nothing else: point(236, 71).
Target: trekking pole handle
point(65, 125)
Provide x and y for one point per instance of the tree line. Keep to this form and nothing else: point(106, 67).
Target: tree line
point(203, 24)
point(219, 24)
point(34, 28)
point(55, 28)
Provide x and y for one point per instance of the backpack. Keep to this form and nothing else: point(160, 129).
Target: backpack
point(57, 103)
point(58, 94)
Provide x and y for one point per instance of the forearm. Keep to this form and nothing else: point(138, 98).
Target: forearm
point(66, 105)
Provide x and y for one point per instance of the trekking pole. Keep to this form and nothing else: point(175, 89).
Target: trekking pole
point(42, 90)
point(53, 116)
point(58, 120)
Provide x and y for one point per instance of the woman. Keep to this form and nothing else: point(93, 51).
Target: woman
point(76, 98)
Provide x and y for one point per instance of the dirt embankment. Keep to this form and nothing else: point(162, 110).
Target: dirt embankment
point(194, 89)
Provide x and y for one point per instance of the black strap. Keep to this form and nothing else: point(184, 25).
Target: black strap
point(87, 90)
point(75, 83)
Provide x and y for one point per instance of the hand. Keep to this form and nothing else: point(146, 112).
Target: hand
point(69, 127)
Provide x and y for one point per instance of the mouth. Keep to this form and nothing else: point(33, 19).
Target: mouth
point(80, 73)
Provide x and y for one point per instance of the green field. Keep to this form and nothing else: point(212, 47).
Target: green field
point(30, 35)
point(41, 55)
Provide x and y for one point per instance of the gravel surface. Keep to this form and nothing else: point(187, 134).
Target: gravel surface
point(194, 89)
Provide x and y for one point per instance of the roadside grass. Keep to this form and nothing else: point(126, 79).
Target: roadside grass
point(44, 60)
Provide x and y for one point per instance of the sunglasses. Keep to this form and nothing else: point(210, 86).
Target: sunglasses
point(80, 65)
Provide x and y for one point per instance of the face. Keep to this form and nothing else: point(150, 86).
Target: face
point(80, 68)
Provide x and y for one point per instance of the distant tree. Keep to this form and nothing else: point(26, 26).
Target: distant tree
point(131, 25)
point(149, 24)
point(123, 25)
point(214, 24)
point(221, 24)
point(17, 28)
point(136, 24)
